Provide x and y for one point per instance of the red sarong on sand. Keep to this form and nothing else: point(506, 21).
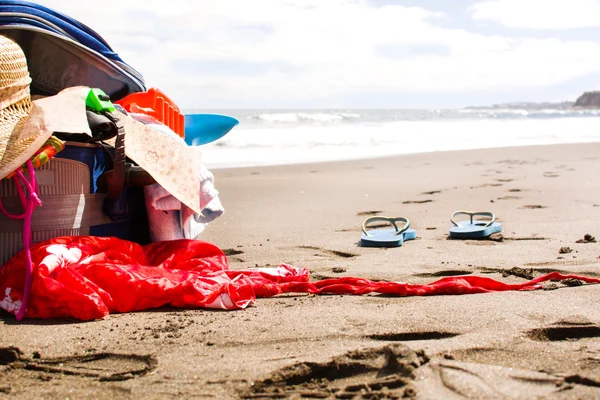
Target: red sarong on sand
point(88, 277)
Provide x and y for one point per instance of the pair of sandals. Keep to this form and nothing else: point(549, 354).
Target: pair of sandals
point(394, 236)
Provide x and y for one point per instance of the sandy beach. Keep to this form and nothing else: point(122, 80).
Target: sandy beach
point(528, 344)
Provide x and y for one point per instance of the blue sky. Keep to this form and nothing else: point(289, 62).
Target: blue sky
point(354, 53)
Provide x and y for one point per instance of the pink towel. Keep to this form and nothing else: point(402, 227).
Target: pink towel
point(170, 219)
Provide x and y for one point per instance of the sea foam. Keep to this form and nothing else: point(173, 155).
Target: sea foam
point(289, 138)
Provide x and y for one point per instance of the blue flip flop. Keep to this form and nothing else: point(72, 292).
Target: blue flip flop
point(386, 237)
point(472, 228)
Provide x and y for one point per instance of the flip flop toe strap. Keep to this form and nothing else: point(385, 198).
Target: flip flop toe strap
point(392, 221)
point(472, 214)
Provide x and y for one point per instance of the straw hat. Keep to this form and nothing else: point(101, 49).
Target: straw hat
point(25, 125)
point(16, 147)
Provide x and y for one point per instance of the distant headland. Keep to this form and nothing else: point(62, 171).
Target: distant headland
point(588, 100)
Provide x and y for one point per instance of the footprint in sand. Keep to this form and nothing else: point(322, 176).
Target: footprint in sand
point(522, 162)
point(411, 336)
point(486, 185)
point(510, 162)
point(533, 207)
point(564, 330)
point(336, 253)
point(551, 175)
point(100, 366)
point(384, 371)
point(232, 252)
point(367, 213)
point(441, 274)
point(359, 229)
point(396, 371)
point(417, 201)
point(450, 378)
point(526, 238)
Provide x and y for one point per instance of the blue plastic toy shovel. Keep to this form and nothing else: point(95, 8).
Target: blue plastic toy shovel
point(205, 128)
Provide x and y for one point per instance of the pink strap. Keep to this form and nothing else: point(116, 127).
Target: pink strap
point(29, 203)
point(21, 196)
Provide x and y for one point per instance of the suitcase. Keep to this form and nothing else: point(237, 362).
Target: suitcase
point(62, 52)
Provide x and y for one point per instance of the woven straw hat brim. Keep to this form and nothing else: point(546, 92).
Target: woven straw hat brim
point(19, 140)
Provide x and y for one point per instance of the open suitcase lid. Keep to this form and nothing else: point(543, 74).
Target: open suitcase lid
point(62, 52)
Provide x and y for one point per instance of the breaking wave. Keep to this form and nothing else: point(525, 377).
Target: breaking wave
point(296, 143)
point(295, 117)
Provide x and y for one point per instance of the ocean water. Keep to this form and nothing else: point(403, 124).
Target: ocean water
point(276, 137)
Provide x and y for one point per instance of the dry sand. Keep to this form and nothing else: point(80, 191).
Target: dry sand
point(499, 345)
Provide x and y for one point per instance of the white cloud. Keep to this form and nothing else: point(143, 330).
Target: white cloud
point(271, 52)
point(540, 14)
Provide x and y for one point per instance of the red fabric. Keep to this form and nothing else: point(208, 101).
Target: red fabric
point(89, 277)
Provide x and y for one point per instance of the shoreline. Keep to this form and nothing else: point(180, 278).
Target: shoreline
point(376, 158)
point(306, 147)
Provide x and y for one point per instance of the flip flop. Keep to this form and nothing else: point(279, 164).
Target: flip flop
point(472, 228)
point(386, 237)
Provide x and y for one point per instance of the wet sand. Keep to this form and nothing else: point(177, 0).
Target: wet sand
point(497, 345)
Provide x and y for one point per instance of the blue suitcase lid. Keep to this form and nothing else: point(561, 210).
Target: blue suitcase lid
point(62, 52)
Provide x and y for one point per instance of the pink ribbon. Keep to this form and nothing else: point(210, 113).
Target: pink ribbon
point(29, 202)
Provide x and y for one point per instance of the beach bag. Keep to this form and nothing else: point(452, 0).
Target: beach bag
point(86, 189)
point(73, 195)
point(69, 206)
point(62, 52)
